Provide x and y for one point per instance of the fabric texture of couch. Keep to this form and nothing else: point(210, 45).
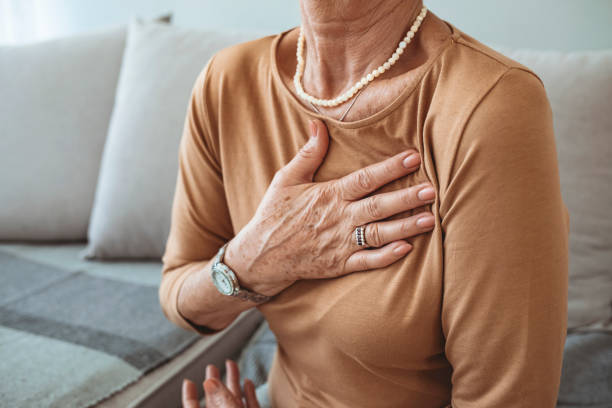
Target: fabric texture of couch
point(74, 332)
point(132, 207)
point(56, 100)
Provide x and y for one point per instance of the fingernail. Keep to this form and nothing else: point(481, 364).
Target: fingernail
point(425, 221)
point(426, 193)
point(314, 131)
point(401, 249)
point(411, 160)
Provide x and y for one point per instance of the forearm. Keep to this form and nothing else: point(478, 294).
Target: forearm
point(200, 302)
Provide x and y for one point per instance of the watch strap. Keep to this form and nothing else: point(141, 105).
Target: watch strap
point(248, 295)
point(240, 292)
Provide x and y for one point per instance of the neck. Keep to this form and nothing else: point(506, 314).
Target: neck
point(345, 39)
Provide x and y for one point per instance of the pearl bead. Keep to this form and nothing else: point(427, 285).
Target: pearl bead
point(299, 71)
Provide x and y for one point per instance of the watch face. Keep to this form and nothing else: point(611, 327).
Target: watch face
point(222, 282)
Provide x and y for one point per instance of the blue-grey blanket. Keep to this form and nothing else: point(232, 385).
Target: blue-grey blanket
point(69, 338)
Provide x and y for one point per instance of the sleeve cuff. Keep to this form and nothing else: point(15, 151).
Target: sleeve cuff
point(170, 287)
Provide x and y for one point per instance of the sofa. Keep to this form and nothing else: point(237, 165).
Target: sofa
point(89, 133)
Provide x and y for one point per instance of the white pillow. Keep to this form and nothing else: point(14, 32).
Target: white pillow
point(56, 99)
point(133, 203)
point(579, 87)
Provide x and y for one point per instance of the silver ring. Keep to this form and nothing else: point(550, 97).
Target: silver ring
point(360, 236)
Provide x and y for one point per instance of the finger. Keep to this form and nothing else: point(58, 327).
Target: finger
point(363, 181)
point(233, 378)
point(218, 396)
point(367, 259)
point(212, 372)
point(381, 233)
point(383, 205)
point(189, 395)
point(304, 164)
point(249, 394)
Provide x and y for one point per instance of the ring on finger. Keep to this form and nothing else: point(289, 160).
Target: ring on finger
point(360, 237)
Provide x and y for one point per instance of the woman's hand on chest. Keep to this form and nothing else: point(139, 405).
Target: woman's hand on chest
point(306, 230)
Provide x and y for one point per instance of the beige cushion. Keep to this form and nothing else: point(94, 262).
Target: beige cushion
point(56, 99)
point(132, 207)
point(579, 86)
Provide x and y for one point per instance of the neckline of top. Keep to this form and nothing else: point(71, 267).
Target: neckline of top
point(380, 114)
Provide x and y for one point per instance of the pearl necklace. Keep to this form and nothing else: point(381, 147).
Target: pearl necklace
point(299, 70)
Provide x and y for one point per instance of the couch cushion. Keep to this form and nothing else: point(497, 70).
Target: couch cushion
point(56, 100)
point(587, 371)
point(579, 86)
point(132, 208)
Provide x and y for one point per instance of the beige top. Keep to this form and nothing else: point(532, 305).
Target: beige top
point(475, 314)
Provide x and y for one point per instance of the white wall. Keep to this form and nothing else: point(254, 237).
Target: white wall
point(555, 24)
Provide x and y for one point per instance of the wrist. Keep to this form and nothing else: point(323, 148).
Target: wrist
point(247, 275)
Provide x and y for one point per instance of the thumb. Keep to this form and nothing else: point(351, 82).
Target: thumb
point(189, 395)
point(302, 167)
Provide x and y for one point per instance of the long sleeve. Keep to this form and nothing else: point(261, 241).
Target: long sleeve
point(506, 252)
point(200, 217)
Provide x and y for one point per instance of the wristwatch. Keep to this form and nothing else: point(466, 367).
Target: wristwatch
point(226, 282)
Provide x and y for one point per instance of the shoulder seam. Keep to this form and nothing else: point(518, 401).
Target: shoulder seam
point(479, 102)
point(462, 42)
point(471, 113)
point(204, 114)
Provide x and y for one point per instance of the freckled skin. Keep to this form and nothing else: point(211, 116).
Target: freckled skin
point(316, 211)
point(304, 230)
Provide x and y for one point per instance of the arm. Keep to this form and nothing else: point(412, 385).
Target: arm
point(273, 250)
point(506, 252)
point(200, 225)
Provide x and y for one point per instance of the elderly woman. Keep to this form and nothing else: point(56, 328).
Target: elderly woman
point(384, 188)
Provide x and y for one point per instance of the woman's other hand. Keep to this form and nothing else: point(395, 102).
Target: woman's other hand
point(305, 230)
point(219, 395)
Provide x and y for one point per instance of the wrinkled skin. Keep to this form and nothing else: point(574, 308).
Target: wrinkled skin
point(304, 229)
